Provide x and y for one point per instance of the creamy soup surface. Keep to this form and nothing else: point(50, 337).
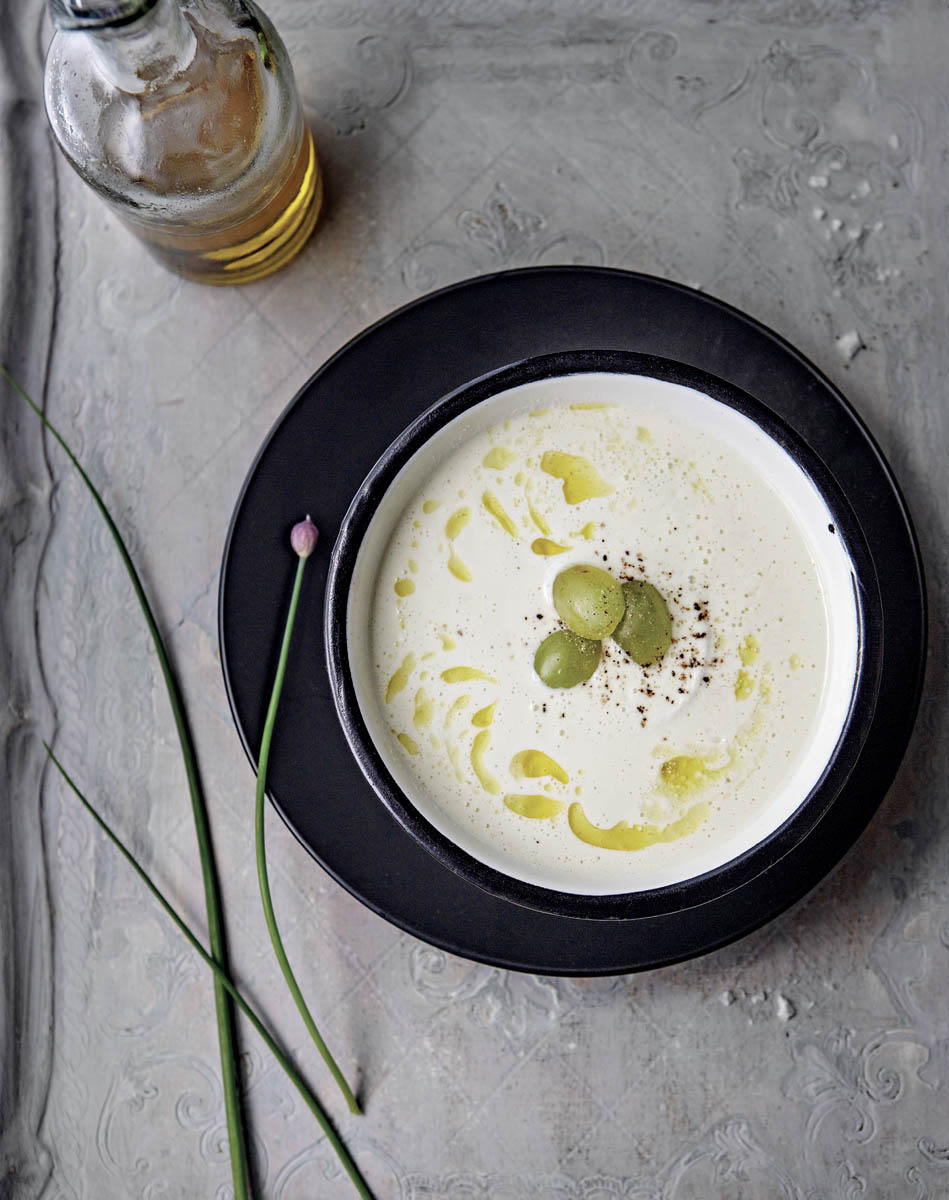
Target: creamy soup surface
point(642, 775)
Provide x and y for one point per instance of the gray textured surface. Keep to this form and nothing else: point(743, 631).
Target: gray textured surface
point(789, 156)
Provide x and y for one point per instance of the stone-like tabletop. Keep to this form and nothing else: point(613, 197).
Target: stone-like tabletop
point(788, 156)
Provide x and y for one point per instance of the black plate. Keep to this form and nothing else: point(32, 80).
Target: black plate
point(314, 461)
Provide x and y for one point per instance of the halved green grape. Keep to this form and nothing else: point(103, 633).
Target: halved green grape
point(588, 600)
point(563, 659)
point(645, 632)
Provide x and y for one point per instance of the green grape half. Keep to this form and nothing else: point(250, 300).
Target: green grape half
point(645, 632)
point(588, 600)
point(563, 659)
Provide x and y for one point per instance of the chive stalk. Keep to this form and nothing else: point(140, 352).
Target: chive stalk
point(226, 992)
point(303, 540)
point(216, 938)
point(221, 977)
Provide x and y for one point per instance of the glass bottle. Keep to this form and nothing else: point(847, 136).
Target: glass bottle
point(184, 116)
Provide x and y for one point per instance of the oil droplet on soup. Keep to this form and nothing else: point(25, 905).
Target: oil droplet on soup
point(424, 710)
point(496, 509)
point(498, 458)
point(462, 702)
point(749, 650)
point(744, 685)
point(581, 480)
point(484, 716)
point(408, 744)
point(464, 675)
point(686, 774)
point(539, 519)
point(622, 836)
point(401, 677)
point(535, 764)
point(478, 751)
point(537, 807)
point(458, 568)
point(547, 548)
point(456, 523)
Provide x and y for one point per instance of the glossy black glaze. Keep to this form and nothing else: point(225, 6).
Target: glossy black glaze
point(315, 460)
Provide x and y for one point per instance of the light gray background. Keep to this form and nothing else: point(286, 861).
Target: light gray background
point(789, 156)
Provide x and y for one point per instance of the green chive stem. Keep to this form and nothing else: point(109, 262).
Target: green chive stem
point(225, 981)
point(262, 876)
point(216, 938)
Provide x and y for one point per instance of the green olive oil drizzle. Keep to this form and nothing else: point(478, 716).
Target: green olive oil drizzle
point(456, 523)
point(478, 750)
point(494, 506)
point(464, 675)
point(498, 457)
point(623, 836)
point(484, 716)
point(536, 807)
point(535, 764)
point(400, 679)
point(581, 480)
point(547, 548)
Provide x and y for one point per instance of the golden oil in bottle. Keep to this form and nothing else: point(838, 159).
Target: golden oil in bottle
point(254, 247)
point(186, 119)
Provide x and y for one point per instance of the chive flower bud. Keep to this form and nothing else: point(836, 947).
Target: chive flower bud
point(303, 537)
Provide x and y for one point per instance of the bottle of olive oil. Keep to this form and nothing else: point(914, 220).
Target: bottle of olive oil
point(184, 116)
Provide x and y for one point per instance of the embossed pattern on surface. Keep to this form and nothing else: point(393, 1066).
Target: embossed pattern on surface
point(788, 156)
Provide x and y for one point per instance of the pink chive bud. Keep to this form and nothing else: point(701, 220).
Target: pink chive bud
point(303, 537)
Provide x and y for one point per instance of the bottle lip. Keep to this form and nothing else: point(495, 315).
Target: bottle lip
point(98, 14)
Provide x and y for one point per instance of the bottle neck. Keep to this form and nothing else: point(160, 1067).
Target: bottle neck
point(137, 45)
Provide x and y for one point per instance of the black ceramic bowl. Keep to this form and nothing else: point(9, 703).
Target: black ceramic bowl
point(807, 810)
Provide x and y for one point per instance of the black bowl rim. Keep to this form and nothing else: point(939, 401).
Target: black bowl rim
point(696, 890)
